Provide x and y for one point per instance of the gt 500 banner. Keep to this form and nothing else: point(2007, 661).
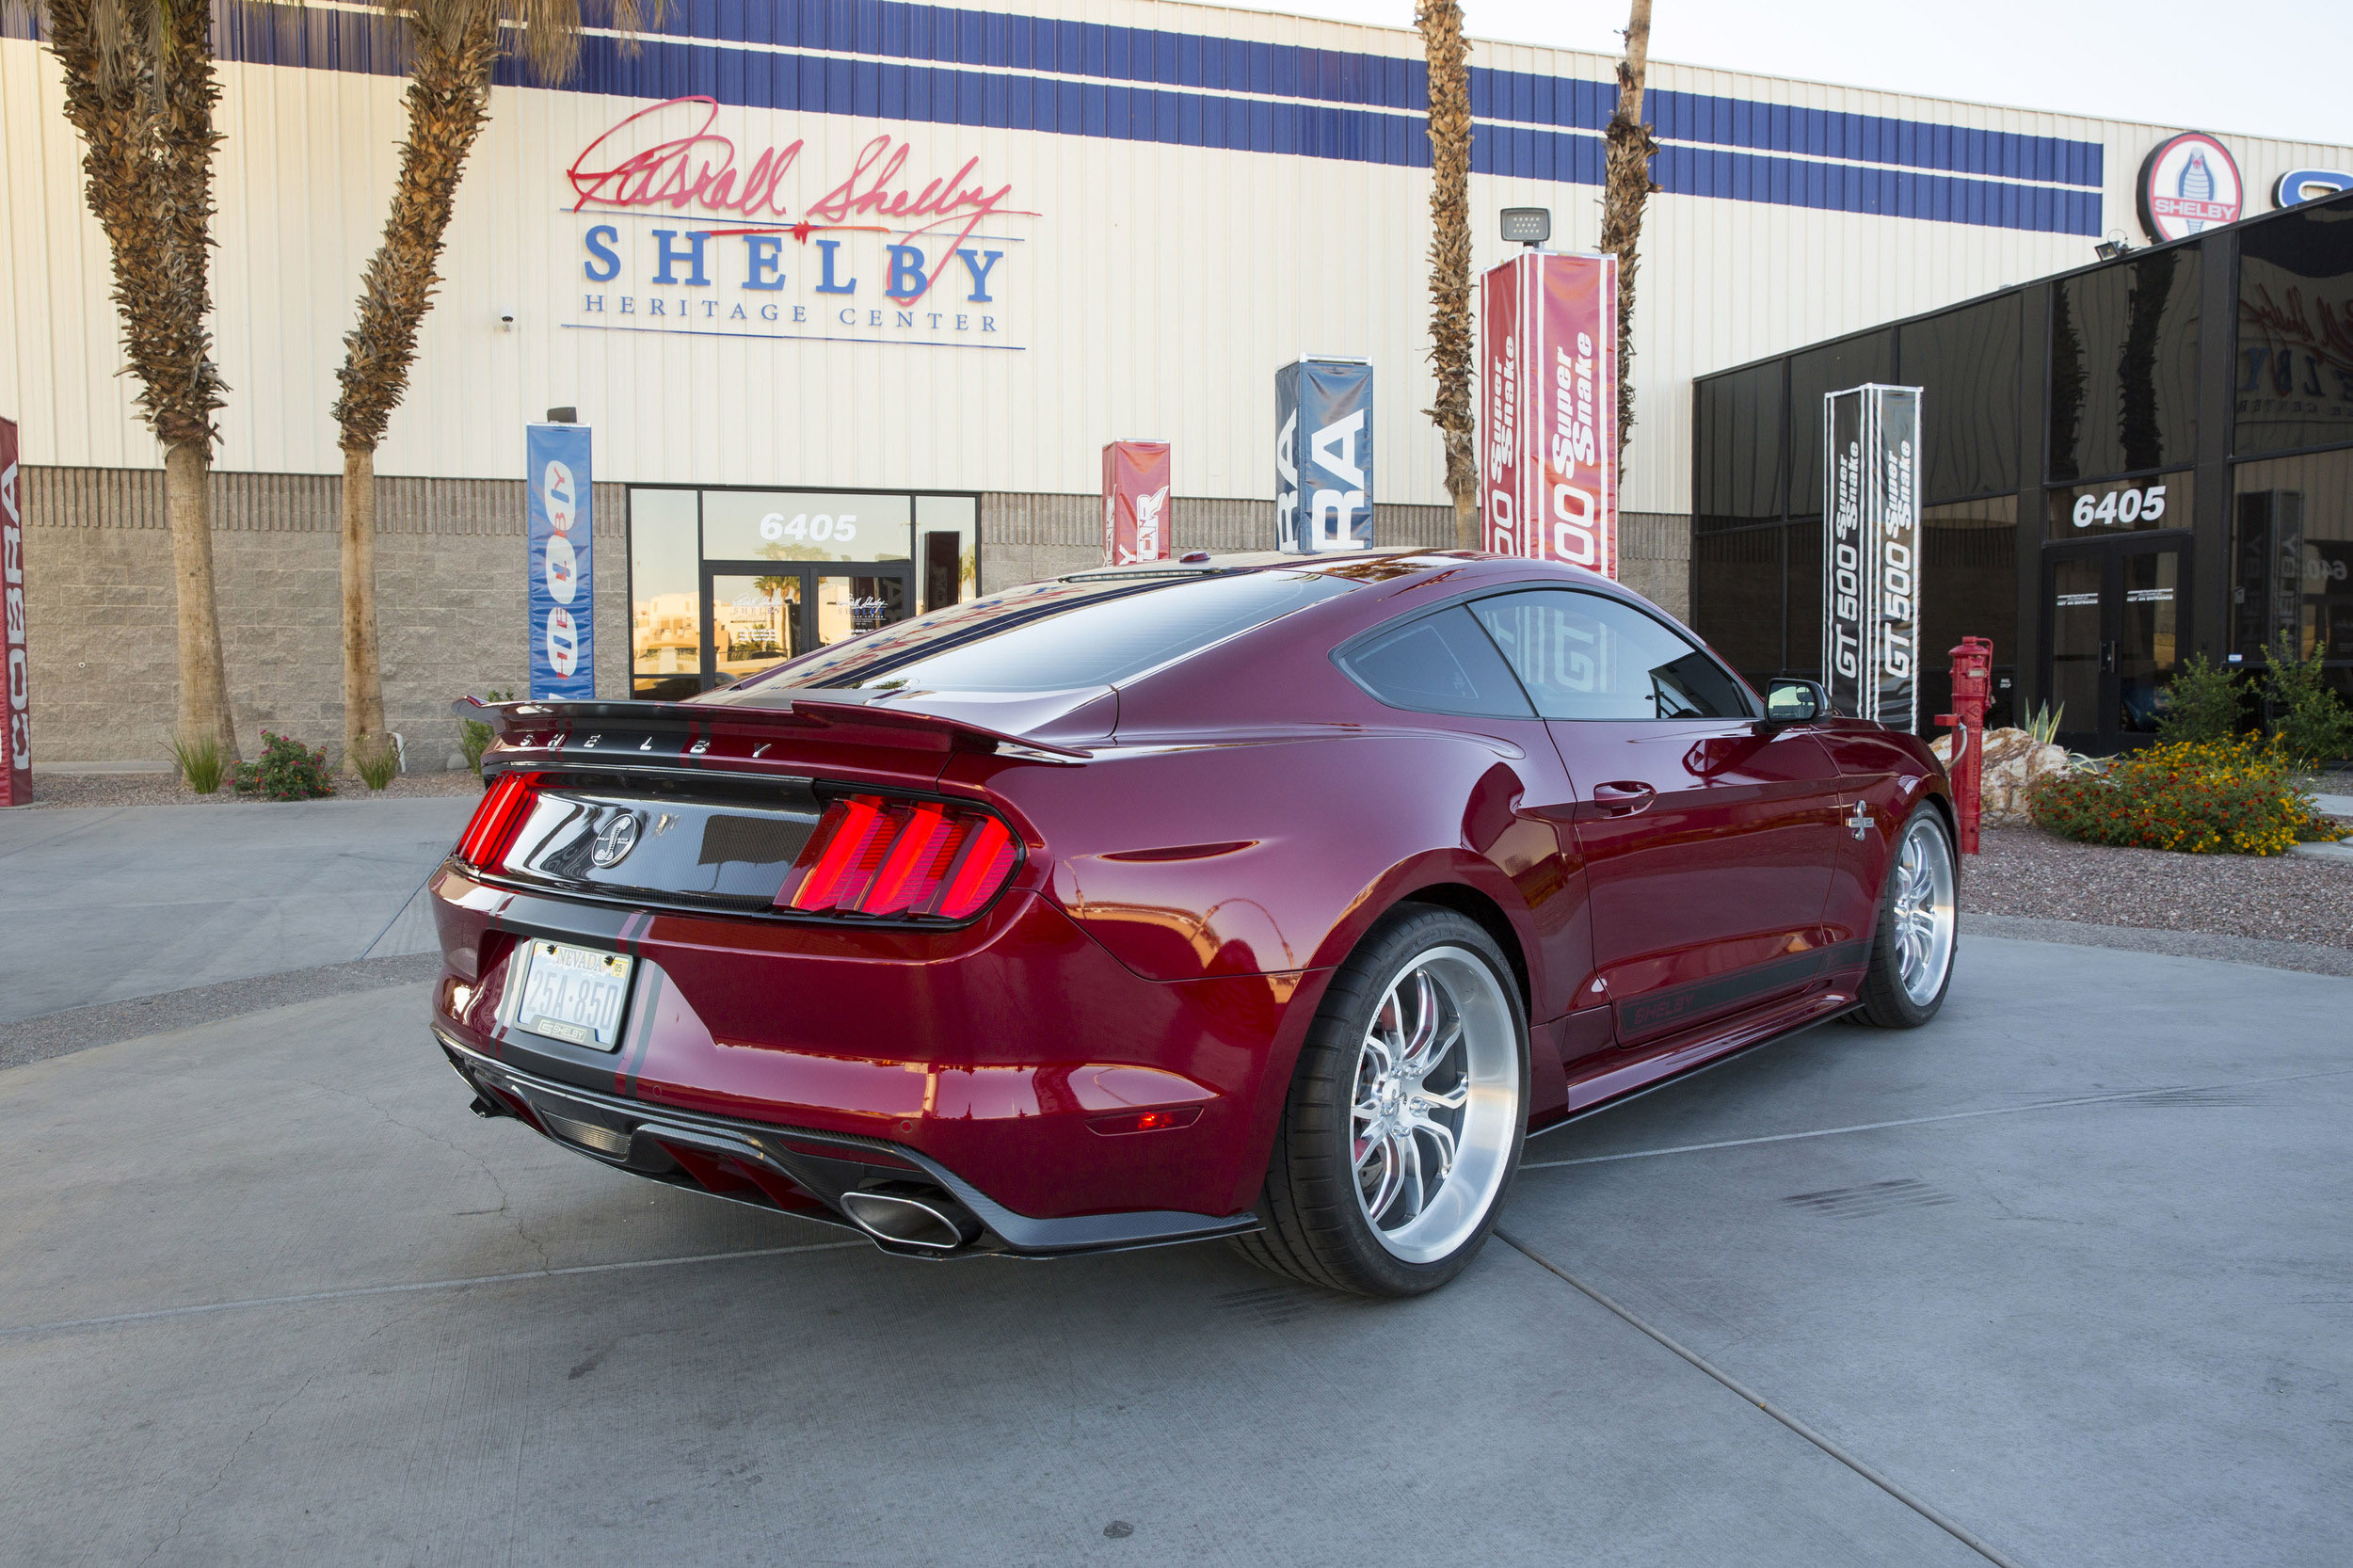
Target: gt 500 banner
point(1549, 409)
point(1871, 553)
point(562, 531)
point(1323, 456)
point(16, 740)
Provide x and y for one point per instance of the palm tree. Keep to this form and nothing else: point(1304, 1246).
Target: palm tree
point(139, 89)
point(1625, 187)
point(453, 46)
point(1448, 58)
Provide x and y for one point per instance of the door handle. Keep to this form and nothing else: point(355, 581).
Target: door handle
point(1623, 797)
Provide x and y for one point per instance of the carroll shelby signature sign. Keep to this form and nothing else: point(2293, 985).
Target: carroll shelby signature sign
point(1871, 553)
point(840, 236)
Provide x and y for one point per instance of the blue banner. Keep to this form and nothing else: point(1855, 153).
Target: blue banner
point(1323, 456)
point(562, 531)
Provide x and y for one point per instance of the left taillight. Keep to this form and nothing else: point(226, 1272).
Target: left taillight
point(502, 814)
point(908, 860)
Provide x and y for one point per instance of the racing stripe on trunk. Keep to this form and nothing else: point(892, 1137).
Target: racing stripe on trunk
point(650, 991)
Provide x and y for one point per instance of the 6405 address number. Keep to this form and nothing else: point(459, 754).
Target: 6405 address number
point(2121, 508)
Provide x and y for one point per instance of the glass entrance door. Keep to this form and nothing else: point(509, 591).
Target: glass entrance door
point(2116, 622)
point(755, 614)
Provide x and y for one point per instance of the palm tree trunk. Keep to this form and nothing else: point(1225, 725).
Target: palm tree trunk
point(1626, 187)
point(363, 672)
point(453, 50)
point(139, 89)
point(1449, 59)
point(203, 707)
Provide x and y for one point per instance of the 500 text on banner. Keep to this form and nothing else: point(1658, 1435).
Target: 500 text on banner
point(1549, 409)
point(1871, 553)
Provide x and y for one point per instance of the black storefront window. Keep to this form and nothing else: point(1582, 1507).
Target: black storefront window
point(2296, 332)
point(1968, 588)
point(1801, 635)
point(1736, 591)
point(1965, 362)
point(1737, 439)
point(2291, 559)
point(2125, 366)
point(1812, 376)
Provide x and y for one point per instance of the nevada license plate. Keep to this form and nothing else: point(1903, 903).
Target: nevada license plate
point(576, 994)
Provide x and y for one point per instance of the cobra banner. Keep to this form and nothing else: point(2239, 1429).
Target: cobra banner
point(562, 531)
point(1549, 409)
point(1871, 553)
point(16, 723)
point(1323, 456)
point(1135, 502)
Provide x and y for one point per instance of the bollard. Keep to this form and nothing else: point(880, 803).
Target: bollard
point(1973, 692)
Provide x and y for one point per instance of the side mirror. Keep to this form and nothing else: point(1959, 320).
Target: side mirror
point(1793, 701)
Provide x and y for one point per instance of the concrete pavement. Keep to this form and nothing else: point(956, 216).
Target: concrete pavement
point(105, 905)
point(2069, 1268)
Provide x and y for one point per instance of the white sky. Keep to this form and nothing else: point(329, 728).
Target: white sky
point(2265, 68)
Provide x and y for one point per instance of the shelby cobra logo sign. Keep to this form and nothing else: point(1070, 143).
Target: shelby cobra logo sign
point(2188, 184)
point(696, 241)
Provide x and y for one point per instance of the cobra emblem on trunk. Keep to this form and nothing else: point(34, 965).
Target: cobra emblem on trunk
point(614, 839)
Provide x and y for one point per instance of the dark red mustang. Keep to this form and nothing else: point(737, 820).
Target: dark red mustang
point(1276, 898)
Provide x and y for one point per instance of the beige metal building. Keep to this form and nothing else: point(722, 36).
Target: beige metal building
point(806, 260)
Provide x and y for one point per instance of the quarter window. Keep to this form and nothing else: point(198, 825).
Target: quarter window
point(1441, 663)
point(1582, 656)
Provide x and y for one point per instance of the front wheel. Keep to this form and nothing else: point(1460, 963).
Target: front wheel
point(1406, 1116)
point(1912, 952)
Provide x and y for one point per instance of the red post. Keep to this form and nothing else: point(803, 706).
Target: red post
point(16, 756)
point(1973, 692)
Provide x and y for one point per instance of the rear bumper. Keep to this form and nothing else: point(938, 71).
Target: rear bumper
point(803, 1171)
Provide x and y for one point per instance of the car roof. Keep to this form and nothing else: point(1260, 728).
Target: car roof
point(1393, 563)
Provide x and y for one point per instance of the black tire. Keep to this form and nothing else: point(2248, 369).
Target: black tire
point(1317, 1229)
point(1886, 1001)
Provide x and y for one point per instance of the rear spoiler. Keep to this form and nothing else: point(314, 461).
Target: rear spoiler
point(635, 719)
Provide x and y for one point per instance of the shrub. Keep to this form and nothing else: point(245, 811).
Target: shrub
point(199, 761)
point(2311, 722)
point(287, 770)
point(375, 758)
point(2202, 797)
point(475, 737)
point(2205, 703)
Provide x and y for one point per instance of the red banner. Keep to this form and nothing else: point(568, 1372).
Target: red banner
point(16, 719)
point(1549, 409)
point(1135, 502)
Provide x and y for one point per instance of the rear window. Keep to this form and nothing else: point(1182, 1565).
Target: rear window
point(1441, 663)
point(1058, 635)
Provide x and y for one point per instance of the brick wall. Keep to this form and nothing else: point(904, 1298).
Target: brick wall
point(450, 603)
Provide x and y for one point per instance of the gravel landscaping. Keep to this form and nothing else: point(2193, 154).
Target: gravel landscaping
point(2024, 872)
point(164, 788)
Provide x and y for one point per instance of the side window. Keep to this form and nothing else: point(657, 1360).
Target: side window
point(1440, 664)
point(1582, 656)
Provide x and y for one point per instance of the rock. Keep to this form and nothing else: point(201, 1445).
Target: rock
point(2013, 764)
point(456, 763)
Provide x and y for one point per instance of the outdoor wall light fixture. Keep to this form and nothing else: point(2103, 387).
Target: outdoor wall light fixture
point(2113, 246)
point(567, 415)
point(1529, 226)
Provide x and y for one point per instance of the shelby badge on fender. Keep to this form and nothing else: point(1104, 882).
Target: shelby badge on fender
point(1273, 898)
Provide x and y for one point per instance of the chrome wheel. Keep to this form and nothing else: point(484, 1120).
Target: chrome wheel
point(1435, 1104)
point(1923, 896)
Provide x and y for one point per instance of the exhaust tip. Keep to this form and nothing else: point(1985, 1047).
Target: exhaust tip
point(909, 1215)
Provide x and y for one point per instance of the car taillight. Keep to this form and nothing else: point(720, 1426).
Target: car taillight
point(921, 859)
point(496, 820)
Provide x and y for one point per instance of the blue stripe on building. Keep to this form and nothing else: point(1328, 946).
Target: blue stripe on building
point(1137, 84)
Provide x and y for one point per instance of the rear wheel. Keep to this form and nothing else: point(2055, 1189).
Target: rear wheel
point(1406, 1115)
point(1911, 953)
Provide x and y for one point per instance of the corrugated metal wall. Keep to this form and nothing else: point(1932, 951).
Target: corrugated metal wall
point(1160, 285)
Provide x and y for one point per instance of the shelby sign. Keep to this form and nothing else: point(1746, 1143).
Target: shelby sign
point(1549, 409)
point(1871, 553)
point(684, 235)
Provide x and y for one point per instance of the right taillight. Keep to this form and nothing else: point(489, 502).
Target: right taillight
point(496, 820)
point(919, 860)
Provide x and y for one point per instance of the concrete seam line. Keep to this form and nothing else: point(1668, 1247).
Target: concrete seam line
point(398, 913)
point(1923, 1121)
point(1949, 1527)
point(63, 1324)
